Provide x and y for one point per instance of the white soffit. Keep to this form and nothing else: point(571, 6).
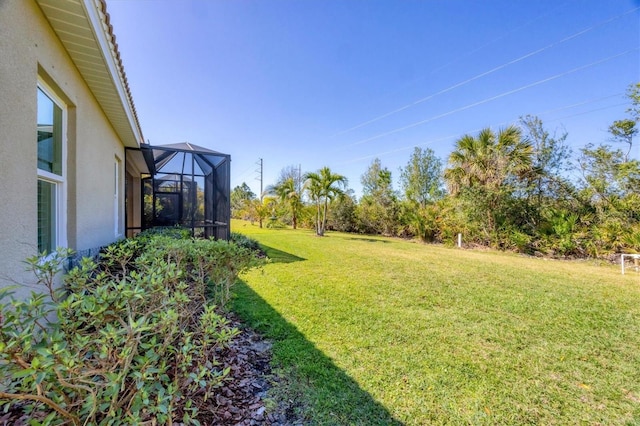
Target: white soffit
point(84, 30)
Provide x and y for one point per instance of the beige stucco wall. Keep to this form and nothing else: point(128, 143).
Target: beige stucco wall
point(30, 49)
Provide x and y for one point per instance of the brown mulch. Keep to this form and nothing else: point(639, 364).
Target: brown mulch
point(241, 400)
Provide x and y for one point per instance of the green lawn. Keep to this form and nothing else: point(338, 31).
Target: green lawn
point(371, 330)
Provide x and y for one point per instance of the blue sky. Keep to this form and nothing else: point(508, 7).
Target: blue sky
point(338, 83)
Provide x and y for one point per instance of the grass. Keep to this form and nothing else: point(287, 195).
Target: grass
point(371, 330)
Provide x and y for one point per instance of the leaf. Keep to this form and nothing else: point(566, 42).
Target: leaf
point(43, 351)
point(40, 377)
point(23, 373)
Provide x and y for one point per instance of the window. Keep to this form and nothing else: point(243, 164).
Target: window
point(51, 171)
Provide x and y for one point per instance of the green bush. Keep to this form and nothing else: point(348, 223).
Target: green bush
point(173, 232)
point(132, 339)
point(514, 239)
point(244, 241)
point(274, 223)
point(211, 267)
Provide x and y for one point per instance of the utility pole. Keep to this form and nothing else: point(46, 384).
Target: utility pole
point(260, 172)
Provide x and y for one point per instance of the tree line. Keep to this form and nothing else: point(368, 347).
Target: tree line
point(519, 188)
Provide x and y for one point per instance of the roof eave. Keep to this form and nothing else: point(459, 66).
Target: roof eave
point(116, 101)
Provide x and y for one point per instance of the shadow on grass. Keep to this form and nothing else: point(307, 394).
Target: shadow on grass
point(279, 256)
point(311, 388)
point(369, 240)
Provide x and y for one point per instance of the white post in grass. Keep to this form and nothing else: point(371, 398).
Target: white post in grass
point(634, 256)
point(459, 240)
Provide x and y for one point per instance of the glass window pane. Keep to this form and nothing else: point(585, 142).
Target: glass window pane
point(49, 129)
point(188, 164)
point(172, 164)
point(46, 216)
point(167, 183)
point(197, 170)
point(203, 164)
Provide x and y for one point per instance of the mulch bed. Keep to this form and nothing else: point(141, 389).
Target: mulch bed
point(241, 401)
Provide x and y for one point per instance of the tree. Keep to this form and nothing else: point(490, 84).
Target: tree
point(633, 93)
point(342, 216)
point(623, 131)
point(375, 179)
point(610, 186)
point(377, 211)
point(422, 185)
point(421, 179)
point(292, 172)
point(607, 176)
point(240, 197)
point(488, 160)
point(288, 193)
point(261, 209)
point(544, 186)
point(323, 186)
point(610, 194)
point(313, 188)
point(484, 168)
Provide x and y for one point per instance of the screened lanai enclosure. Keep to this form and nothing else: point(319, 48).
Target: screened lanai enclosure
point(181, 185)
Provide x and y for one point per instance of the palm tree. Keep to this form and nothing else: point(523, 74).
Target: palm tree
point(313, 188)
point(323, 186)
point(486, 163)
point(287, 192)
point(261, 209)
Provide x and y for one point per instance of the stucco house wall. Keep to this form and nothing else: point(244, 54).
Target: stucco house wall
point(32, 52)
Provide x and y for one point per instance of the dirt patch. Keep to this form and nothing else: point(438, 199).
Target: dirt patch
point(243, 400)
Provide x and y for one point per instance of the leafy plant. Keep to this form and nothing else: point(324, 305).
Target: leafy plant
point(128, 340)
point(244, 241)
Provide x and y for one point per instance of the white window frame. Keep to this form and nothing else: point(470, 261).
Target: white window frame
point(60, 181)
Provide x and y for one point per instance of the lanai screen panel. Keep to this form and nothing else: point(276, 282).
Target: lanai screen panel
point(188, 187)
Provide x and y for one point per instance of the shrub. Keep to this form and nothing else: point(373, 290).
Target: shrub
point(211, 267)
point(244, 241)
point(513, 239)
point(126, 341)
point(173, 232)
point(274, 223)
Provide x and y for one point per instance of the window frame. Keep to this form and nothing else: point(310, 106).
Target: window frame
point(59, 181)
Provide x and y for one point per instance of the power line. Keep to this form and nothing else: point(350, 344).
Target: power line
point(484, 101)
point(237, 178)
point(526, 24)
point(469, 53)
point(486, 73)
point(589, 112)
point(408, 147)
point(405, 148)
point(588, 101)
